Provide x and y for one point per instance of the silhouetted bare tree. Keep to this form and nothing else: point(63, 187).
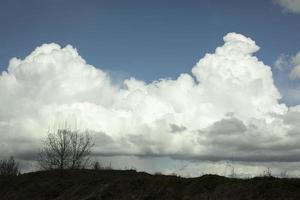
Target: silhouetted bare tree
point(9, 167)
point(65, 149)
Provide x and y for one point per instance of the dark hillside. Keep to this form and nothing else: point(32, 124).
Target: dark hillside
point(128, 184)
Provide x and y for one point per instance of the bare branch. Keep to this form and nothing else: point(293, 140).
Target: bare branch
point(65, 149)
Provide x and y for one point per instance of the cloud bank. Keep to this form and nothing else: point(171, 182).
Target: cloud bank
point(292, 6)
point(226, 108)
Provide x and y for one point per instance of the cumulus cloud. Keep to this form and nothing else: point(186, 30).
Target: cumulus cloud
point(227, 108)
point(292, 6)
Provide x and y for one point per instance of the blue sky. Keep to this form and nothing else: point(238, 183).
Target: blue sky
point(145, 39)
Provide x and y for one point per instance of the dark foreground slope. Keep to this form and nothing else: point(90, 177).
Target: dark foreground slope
point(113, 184)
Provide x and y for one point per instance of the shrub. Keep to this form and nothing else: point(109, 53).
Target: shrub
point(267, 173)
point(97, 166)
point(9, 167)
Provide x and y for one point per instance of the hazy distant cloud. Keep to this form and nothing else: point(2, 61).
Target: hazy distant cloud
point(295, 61)
point(292, 6)
point(286, 66)
point(283, 62)
point(290, 63)
point(193, 168)
point(228, 107)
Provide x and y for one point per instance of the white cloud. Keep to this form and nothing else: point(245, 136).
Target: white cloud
point(226, 109)
point(292, 6)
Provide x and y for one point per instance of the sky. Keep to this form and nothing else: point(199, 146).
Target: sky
point(145, 39)
point(179, 86)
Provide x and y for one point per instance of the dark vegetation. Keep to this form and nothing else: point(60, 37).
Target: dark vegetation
point(128, 184)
